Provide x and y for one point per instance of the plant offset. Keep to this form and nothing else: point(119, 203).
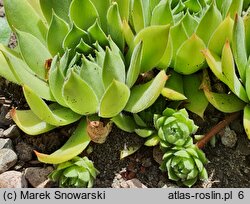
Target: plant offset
point(138, 64)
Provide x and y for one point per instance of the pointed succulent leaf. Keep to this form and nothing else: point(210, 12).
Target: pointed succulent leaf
point(91, 73)
point(84, 48)
point(178, 35)
point(74, 146)
point(173, 89)
point(247, 33)
point(58, 29)
point(152, 141)
point(24, 75)
point(239, 46)
point(54, 114)
point(152, 48)
point(128, 33)
point(28, 122)
point(183, 63)
point(102, 8)
point(143, 96)
point(56, 81)
point(196, 99)
point(127, 151)
point(134, 67)
point(124, 122)
point(61, 8)
point(246, 120)
point(139, 121)
point(167, 56)
point(227, 103)
point(79, 96)
point(247, 84)
point(124, 6)
point(228, 68)
point(190, 23)
point(110, 107)
point(115, 25)
point(113, 68)
point(137, 15)
point(97, 34)
point(5, 70)
point(235, 8)
point(162, 14)
point(30, 46)
point(144, 133)
point(74, 36)
point(83, 13)
point(5, 32)
point(222, 33)
point(212, 18)
point(28, 21)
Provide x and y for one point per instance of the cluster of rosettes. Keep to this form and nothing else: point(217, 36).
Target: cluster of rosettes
point(183, 160)
point(77, 173)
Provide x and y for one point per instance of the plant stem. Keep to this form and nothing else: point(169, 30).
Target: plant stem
point(217, 128)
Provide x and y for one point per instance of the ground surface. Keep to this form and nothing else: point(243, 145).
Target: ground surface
point(228, 166)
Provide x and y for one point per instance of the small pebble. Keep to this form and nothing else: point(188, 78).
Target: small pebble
point(135, 183)
point(11, 132)
point(24, 151)
point(228, 137)
point(36, 175)
point(6, 143)
point(12, 179)
point(8, 159)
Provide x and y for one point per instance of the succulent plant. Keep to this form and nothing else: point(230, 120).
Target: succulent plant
point(73, 63)
point(231, 66)
point(174, 128)
point(77, 173)
point(185, 165)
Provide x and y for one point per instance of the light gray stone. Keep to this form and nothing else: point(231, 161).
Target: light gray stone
point(12, 179)
point(135, 183)
point(228, 137)
point(11, 132)
point(36, 176)
point(8, 159)
point(6, 143)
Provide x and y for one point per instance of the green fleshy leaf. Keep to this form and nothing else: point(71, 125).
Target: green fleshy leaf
point(190, 23)
point(28, 21)
point(151, 141)
point(144, 132)
point(28, 122)
point(235, 8)
point(128, 34)
point(58, 29)
point(124, 122)
point(197, 101)
point(74, 146)
point(56, 81)
point(79, 96)
point(162, 14)
point(152, 48)
point(30, 46)
point(212, 18)
point(83, 13)
point(73, 38)
point(5, 32)
point(115, 25)
point(184, 64)
point(110, 107)
point(247, 33)
point(97, 34)
point(22, 73)
point(61, 8)
point(139, 121)
point(239, 46)
point(246, 120)
point(137, 15)
point(5, 70)
point(182, 153)
point(91, 73)
point(143, 96)
point(228, 68)
point(222, 33)
point(84, 48)
point(134, 67)
point(190, 182)
point(102, 8)
point(54, 114)
point(113, 68)
point(203, 175)
point(124, 6)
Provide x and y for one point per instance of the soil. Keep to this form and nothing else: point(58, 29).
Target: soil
point(227, 167)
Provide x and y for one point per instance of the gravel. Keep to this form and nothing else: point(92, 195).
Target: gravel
point(8, 159)
point(12, 179)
